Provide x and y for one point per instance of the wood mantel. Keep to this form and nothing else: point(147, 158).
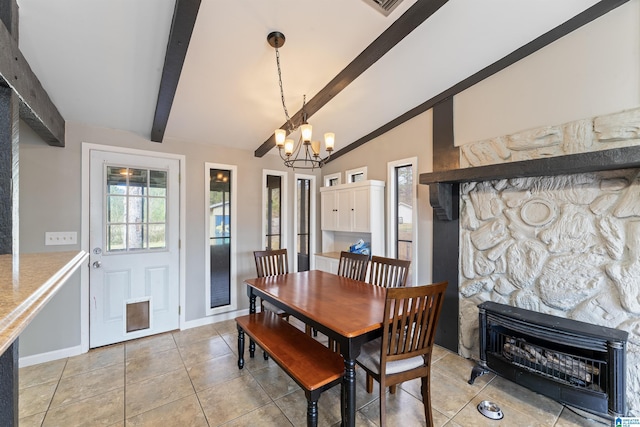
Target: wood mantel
point(27, 283)
point(440, 183)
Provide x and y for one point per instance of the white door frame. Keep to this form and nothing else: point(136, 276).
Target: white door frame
point(84, 241)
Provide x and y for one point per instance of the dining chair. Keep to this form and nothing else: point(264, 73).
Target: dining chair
point(388, 272)
point(353, 266)
point(271, 263)
point(403, 352)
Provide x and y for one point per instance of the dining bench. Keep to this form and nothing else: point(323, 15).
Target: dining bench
point(314, 367)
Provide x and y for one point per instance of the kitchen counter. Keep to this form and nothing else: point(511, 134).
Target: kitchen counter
point(27, 283)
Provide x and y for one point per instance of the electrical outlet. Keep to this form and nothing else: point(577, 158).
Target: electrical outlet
point(60, 238)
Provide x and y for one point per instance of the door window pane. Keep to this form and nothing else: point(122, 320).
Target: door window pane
point(132, 215)
point(220, 236)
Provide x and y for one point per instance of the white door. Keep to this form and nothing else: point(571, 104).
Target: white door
point(133, 236)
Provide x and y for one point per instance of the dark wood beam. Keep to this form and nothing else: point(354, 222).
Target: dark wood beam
point(410, 20)
point(594, 12)
point(36, 108)
point(184, 19)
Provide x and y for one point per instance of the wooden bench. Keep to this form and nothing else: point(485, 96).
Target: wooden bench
point(310, 364)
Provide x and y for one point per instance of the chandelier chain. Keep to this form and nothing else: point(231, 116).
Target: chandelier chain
point(284, 106)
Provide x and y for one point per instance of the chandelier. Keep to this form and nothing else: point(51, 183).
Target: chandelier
point(305, 154)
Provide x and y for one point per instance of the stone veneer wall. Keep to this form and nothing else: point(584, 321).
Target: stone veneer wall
point(564, 245)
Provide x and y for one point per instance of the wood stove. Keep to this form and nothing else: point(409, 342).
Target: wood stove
point(576, 363)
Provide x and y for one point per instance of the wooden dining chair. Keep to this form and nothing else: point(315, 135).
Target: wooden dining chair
point(271, 263)
point(404, 350)
point(388, 272)
point(353, 266)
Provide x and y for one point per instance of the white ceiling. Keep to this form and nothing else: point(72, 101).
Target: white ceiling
point(101, 60)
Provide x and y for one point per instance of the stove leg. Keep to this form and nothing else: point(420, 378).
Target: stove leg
point(476, 372)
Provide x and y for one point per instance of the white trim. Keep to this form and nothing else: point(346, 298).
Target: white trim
point(391, 197)
point(203, 321)
point(50, 356)
point(87, 147)
point(234, 219)
point(284, 209)
point(312, 219)
point(327, 179)
point(351, 172)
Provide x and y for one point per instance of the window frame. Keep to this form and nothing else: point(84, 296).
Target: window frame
point(391, 220)
point(312, 220)
point(328, 178)
point(357, 171)
point(284, 208)
point(233, 286)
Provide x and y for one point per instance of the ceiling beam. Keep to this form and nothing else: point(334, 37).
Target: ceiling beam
point(184, 19)
point(36, 108)
point(594, 12)
point(405, 24)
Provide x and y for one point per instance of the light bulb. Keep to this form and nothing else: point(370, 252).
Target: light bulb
point(305, 129)
point(280, 135)
point(329, 140)
point(288, 147)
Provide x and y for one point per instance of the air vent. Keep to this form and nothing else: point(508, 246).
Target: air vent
point(384, 6)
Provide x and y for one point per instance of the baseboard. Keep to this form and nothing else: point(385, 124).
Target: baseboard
point(213, 319)
point(50, 356)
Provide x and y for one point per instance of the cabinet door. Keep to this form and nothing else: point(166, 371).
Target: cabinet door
point(361, 208)
point(328, 210)
point(344, 210)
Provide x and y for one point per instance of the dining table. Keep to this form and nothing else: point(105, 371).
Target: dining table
point(346, 310)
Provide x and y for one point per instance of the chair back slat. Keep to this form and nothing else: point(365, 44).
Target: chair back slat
point(413, 314)
point(353, 266)
point(388, 272)
point(271, 263)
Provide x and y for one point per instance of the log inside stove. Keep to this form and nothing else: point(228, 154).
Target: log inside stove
point(573, 370)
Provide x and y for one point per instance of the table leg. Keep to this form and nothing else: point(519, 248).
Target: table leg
point(348, 406)
point(252, 310)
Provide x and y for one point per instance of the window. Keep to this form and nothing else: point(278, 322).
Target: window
point(332, 179)
point(220, 201)
point(402, 210)
point(305, 195)
point(274, 203)
point(136, 209)
point(356, 175)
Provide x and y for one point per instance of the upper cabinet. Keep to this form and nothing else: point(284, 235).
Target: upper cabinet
point(353, 207)
point(350, 212)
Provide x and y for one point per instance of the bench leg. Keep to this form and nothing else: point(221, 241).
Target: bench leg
point(240, 348)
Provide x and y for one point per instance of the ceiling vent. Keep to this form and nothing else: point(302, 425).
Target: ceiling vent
point(383, 6)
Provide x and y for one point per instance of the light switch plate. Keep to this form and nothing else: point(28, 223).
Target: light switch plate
point(60, 238)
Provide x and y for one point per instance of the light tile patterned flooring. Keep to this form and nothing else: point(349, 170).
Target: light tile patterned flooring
point(191, 378)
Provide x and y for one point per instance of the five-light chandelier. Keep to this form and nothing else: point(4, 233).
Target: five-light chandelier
point(305, 154)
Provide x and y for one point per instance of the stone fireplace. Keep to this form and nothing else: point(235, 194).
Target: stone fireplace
point(565, 245)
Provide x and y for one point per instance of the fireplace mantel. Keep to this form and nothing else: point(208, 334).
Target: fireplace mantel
point(441, 183)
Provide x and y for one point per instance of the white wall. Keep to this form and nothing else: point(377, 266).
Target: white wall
point(590, 72)
point(50, 200)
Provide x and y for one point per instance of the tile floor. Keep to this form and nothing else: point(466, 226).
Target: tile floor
point(190, 378)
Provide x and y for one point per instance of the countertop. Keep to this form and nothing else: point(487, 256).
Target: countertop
point(335, 255)
point(27, 283)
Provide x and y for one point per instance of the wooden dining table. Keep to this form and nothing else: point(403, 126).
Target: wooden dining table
point(349, 311)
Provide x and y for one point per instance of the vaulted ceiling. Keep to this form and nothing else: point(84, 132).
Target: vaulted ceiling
point(101, 61)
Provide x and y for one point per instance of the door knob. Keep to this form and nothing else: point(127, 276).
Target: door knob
point(97, 264)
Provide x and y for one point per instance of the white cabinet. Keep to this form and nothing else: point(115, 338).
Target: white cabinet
point(352, 207)
point(350, 212)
